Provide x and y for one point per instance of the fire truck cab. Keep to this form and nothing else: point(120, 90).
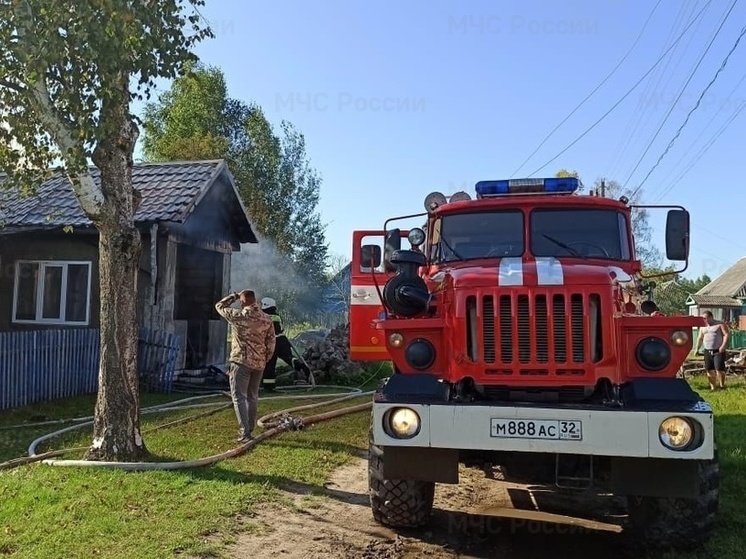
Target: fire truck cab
point(522, 331)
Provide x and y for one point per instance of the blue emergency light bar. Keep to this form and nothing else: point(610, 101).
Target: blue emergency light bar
point(556, 185)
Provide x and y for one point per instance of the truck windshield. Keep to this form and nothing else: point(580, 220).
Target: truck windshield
point(586, 233)
point(481, 235)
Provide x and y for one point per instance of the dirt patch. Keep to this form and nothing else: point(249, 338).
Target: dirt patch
point(483, 516)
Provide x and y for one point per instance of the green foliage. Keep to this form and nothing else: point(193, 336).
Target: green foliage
point(672, 290)
point(196, 119)
point(65, 65)
point(69, 70)
point(562, 173)
point(189, 130)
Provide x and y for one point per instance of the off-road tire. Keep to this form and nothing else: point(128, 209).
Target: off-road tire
point(678, 523)
point(397, 503)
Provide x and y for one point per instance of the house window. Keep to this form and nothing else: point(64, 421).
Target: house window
point(52, 292)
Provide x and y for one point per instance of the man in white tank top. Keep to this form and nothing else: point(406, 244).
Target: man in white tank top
point(714, 336)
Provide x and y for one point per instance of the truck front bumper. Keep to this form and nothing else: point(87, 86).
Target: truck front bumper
point(558, 429)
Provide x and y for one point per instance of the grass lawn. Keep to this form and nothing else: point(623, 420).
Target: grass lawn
point(70, 512)
point(74, 512)
point(729, 540)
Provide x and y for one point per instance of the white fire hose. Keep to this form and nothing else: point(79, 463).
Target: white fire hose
point(285, 423)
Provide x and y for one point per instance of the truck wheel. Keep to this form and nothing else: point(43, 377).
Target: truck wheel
point(397, 503)
point(674, 522)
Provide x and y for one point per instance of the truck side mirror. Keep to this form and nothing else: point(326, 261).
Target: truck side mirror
point(392, 243)
point(370, 256)
point(677, 235)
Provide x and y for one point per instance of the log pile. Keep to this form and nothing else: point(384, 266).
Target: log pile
point(331, 355)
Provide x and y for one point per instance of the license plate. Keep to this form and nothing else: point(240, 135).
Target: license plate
point(550, 429)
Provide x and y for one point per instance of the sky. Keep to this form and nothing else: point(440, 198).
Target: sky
point(399, 99)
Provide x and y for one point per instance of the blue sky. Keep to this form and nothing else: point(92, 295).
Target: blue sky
point(397, 99)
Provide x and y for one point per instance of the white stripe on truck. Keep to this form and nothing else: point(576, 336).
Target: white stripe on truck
point(510, 271)
point(364, 295)
point(549, 271)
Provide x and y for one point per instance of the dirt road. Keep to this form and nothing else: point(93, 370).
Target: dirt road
point(481, 517)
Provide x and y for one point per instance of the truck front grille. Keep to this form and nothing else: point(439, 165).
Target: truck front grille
point(538, 334)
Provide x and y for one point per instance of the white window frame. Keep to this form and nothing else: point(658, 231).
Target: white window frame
point(40, 292)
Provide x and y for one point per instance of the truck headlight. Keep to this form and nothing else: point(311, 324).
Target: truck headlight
point(676, 433)
point(420, 354)
point(653, 354)
point(416, 237)
point(403, 423)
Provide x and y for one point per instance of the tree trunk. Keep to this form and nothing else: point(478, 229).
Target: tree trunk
point(116, 427)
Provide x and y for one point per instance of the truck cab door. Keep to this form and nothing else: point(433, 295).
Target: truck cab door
point(369, 273)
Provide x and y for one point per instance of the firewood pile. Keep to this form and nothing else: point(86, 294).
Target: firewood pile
point(735, 364)
point(331, 354)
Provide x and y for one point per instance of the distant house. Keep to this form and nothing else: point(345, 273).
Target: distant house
point(335, 299)
point(725, 296)
point(191, 219)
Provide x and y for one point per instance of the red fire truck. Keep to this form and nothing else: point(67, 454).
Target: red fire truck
point(522, 331)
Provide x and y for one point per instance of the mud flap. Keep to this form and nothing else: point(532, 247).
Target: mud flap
point(439, 465)
point(655, 477)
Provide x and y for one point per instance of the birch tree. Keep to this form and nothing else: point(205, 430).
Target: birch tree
point(69, 71)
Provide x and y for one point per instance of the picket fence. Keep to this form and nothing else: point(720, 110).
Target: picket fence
point(43, 365)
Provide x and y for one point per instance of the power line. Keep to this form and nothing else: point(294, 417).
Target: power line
point(681, 92)
point(685, 157)
point(636, 117)
point(694, 108)
point(704, 149)
point(628, 92)
point(634, 44)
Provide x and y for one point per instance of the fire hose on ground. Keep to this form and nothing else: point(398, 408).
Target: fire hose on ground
point(275, 423)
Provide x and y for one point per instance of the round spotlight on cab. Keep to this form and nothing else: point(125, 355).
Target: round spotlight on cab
point(679, 338)
point(460, 196)
point(434, 200)
point(403, 423)
point(676, 433)
point(653, 354)
point(420, 354)
point(396, 339)
point(416, 236)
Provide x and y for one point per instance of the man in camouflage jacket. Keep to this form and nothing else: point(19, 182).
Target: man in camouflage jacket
point(252, 345)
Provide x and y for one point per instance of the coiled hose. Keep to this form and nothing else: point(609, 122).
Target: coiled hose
point(283, 421)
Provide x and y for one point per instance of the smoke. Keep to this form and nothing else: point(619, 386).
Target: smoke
point(264, 269)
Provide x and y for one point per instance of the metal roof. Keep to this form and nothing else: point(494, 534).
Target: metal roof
point(170, 192)
point(714, 301)
point(727, 286)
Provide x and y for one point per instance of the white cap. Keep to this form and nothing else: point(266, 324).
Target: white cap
point(268, 302)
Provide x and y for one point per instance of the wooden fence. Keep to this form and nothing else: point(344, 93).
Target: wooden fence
point(158, 352)
point(42, 365)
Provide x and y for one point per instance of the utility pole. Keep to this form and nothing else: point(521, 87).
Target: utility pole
point(603, 189)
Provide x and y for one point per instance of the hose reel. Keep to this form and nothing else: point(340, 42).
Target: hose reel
point(406, 293)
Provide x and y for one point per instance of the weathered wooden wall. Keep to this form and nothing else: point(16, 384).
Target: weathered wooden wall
point(179, 261)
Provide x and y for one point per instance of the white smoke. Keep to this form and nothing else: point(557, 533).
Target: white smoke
point(262, 268)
